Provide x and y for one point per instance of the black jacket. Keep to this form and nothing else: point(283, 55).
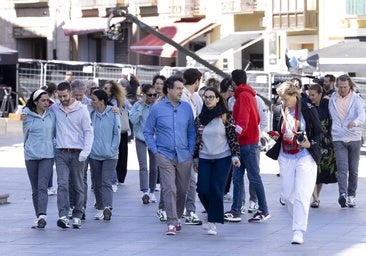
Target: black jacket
point(314, 132)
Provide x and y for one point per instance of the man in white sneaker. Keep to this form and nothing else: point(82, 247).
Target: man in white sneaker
point(348, 114)
point(74, 139)
point(246, 115)
point(192, 78)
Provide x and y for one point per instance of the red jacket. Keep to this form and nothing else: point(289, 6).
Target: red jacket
point(246, 115)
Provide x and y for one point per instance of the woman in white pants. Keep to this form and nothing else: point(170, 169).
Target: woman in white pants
point(297, 148)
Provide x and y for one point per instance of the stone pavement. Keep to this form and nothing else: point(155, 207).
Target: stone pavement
point(134, 229)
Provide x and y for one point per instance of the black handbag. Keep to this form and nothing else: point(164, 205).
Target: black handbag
point(274, 151)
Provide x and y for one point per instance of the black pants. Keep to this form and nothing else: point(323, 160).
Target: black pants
point(122, 158)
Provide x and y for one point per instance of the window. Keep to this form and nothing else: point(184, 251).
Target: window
point(284, 6)
point(311, 5)
point(356, 7)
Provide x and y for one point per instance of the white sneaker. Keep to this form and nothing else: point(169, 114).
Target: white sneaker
point(41, 222)
point(76, 223)
point(63, 222)
point(161, 214)
point(211, 229)
point(253, 207)
point(107, 214)
point(242, 209)
point(69, 215)
point(99, 215)
point(193, 219)
point(114, 188)
point(351, 201)
point(35, 223)
point(152, 198)
point(145, 198)
point(297, 237)
point(205, 224)
point(228, 198)
point(52, 191)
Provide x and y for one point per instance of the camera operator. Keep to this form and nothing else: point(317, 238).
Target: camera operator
point(297, 136)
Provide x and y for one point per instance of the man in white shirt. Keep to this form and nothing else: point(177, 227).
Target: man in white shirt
point(192, 77)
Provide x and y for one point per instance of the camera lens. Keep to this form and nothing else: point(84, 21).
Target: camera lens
point(300, 138)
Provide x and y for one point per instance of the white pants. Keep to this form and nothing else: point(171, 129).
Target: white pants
point(298, 176)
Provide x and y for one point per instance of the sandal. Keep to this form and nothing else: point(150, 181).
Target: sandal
point(315, 204)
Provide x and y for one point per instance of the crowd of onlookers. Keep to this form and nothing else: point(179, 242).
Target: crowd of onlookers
point(194, 140)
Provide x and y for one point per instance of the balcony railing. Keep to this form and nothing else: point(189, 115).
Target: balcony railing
point(238, 6)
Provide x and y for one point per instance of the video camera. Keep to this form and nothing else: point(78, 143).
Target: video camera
point(317, 80)
point(275, 83)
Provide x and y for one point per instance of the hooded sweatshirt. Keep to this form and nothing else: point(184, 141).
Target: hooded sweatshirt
point(39, 134)
point(107, 134)
point(246, 115)
point(73, 129)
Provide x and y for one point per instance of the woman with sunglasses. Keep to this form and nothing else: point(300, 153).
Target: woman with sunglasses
point(138, 116)
point(216, 148)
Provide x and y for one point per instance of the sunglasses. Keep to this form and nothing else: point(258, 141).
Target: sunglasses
point(152, 94)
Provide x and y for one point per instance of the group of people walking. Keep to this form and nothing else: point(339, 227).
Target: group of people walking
point(193, 143)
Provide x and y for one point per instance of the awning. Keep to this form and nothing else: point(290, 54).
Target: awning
point(180, 32)
point(237, 41)
point(346, 56)
point(8, 56)
point(83, 26)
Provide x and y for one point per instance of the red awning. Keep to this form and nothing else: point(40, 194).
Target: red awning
point(180, 32)
point(83, 26)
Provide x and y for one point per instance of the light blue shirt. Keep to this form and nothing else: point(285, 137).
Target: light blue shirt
point(138, 116)
point(170, 130)
point(107, 134)
point(39, 134)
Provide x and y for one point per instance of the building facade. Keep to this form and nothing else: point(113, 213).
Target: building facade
point(252, 34)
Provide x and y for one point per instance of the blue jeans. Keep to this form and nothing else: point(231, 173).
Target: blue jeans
point(249, 158)
point(347, 158)
point(148, 176)
point(39, 172)
point(103, 171)
point(212, 176)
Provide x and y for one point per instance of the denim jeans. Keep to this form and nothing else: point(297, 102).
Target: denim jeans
point(39, 172)
point(148, 176)
point(347, 158)
point(249, 158)
point(212, 176)
point(103, 171)
point(191, 192)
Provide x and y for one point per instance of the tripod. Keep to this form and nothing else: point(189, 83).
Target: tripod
point(7, 105)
